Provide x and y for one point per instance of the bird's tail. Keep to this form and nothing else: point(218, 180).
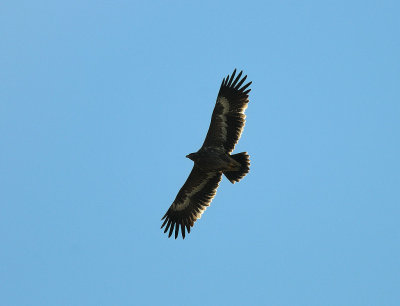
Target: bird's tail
point(244, 160)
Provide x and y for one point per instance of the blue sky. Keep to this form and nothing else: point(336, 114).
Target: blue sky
point(100, 101)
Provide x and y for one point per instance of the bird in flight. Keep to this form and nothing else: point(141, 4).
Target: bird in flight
point(214, 157)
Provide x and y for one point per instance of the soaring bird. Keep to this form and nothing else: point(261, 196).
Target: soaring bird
point(214, 157)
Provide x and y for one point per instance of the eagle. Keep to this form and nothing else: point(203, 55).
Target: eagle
point(214, 157)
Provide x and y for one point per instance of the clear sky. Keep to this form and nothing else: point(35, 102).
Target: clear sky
point(100, 101)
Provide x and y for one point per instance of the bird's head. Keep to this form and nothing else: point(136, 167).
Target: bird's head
point(191, 156)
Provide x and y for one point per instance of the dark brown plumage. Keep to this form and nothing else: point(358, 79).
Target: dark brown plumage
point(214, 157)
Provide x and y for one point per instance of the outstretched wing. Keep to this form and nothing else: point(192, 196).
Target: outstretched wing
point(228, 118)
point(192, 200)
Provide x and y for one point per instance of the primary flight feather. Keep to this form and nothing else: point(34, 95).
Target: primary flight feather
point(214, 157)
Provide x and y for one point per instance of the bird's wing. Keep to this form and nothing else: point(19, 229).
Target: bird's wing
point(192, 200)
point(228, 118)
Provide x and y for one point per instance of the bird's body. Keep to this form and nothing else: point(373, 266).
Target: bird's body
point(214, 158)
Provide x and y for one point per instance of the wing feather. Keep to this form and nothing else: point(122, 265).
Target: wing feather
point(228, 118)
point(191, 201)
